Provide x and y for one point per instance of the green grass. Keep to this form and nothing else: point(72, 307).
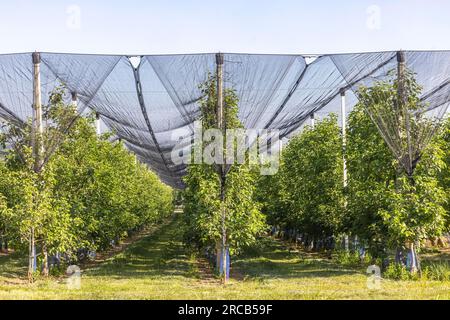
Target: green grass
point(159, 267)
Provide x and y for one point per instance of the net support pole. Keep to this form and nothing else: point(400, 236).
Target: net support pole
point(344, 136)
point(312, 119)
point(403, 108)
point(219, 75)
point(221, 125)
point(74, 96)
point(97, 124)
point(402, 97)
point(37, 147)
point(37, 128)
point(344, 162)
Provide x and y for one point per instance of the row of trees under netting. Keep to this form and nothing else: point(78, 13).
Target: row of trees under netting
point(380, 209)
point(85, 194)
point(220, 212)
point(390, 203)
point(64, 188)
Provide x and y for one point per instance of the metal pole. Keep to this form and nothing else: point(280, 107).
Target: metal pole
point(313, 120)
point(219, 64)
point(403, 108)
point(97, 123)
point(344, 162)
point(37, 147)
point(74, 99)
point(344, 137)
point(222, 126)
point(37, 128)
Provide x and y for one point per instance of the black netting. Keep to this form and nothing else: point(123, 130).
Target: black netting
point(153, 104)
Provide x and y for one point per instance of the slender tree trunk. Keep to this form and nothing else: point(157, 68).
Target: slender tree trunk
point(31, 256)
point(221, 124)
point(346, 246)
point(419, 265)
point(412, 251)
point(224, 231)
point(399, 256)
point(45, 268)
point(37, 146)
point(415, 264)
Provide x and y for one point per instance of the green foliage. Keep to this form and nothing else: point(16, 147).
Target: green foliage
point(349, 258)
point(269, 193)
point(88, 192)
point(110, 191)
point(307, 193)
point(399, 272)
point(431, 271)
point(371, 170)
point(439, 271)
point(386, 207)
point(203, 207)
point(396, 108)
point(443, 140)
point(32, 206)
point(312, 179)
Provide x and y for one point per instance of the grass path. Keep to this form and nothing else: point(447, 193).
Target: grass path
point(159, 267)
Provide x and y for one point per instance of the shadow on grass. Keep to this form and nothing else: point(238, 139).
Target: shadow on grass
point(162, 254)
point(158, 255)
point(272, 259)
point(13, 265)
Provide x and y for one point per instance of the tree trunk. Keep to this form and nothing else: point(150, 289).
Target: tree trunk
point(346, 246)
point(31, 256)
point(399, 256)
point(45, 268)
point(224, 231)
point(413, 259)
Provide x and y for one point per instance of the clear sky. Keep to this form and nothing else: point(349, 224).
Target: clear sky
point(256, 26)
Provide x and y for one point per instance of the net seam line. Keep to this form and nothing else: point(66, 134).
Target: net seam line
point(13, 115)
point(102, 81)
point(176, 100)
point(145, 115)
point(274, 90)
point(323, 104)
point(78, 113)
point(287, 98)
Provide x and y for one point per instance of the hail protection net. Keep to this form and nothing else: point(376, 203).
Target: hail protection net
point(407, 102)
point(151, 102)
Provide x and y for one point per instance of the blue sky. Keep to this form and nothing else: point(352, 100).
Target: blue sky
point(277, 26)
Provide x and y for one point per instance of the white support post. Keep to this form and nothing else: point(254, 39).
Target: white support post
point(74, 99)
point(221, 124)
point(37, 126)
point(344, 137)
point(37, 146)
point(313, 120)
point(97, 124)
point(344, 162)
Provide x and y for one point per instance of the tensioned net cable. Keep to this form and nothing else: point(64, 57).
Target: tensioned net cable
point(151, 104)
